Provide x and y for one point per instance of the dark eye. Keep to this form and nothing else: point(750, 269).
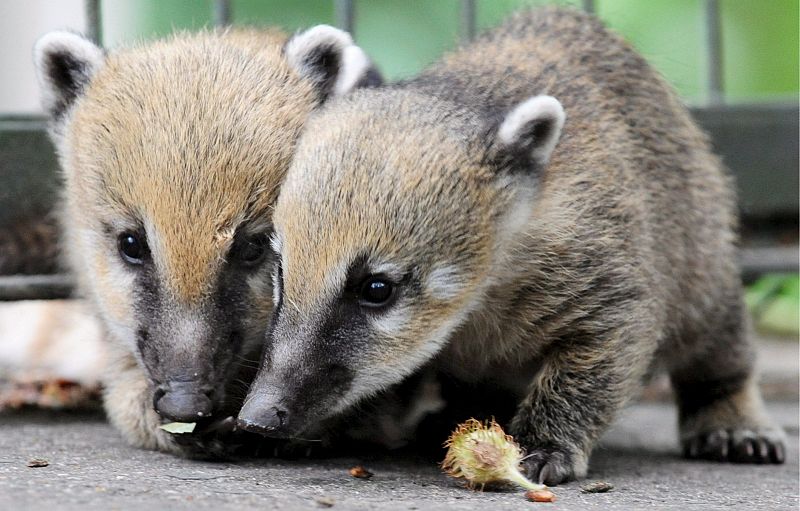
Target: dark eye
point(375, 292)
point(132, 247)
point(250, 250)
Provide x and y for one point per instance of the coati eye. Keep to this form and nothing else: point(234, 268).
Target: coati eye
point(375, 292)
point(132, 248)
point(249, 251)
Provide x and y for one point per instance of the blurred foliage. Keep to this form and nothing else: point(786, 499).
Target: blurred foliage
point(760, 39)
point(774, 301)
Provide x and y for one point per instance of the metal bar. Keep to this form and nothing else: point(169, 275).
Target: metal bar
point(714, 52)
point(468, 20)
point(94, 22)
point(345, 13)
point(222, 13)
point(35, 287)
point(759, 261)
point(588, 6)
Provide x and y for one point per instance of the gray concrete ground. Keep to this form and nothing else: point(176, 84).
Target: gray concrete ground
point(90, 468)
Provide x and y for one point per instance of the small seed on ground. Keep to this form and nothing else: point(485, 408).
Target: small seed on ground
point(540, 496)
point(360, 472)
point(597, 487)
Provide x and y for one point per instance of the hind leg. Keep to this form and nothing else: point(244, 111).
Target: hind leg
point(721, 413)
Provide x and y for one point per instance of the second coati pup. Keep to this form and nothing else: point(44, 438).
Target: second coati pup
point(537, 212)
point(172, 154)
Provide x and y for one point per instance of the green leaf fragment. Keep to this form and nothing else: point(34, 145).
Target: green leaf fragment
point(178, 428)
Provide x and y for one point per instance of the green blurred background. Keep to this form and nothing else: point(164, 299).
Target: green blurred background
point(760, 37)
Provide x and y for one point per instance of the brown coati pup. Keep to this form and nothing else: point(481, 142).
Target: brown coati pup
point(172, 155)
point(537, 212)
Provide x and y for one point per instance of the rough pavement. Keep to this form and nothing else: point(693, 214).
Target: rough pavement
point(90, 469)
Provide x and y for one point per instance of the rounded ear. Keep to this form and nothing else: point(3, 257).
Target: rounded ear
point(532, 129)
point(65, 64)
point(327, 56)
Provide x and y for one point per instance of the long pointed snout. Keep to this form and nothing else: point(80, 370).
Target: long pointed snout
point(266, 416)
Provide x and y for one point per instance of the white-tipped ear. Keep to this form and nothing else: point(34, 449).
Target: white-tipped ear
point(533, 127)
point(328, 57)
point(65, 64)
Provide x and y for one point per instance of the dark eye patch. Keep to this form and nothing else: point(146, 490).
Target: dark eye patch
point(249, 250)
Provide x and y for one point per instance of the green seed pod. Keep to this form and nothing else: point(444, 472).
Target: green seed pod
point(484, 454)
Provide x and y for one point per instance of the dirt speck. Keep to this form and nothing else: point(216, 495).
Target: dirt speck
point(360, 472)
point(597, 487)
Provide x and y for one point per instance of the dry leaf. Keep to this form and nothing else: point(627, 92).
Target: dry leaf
point(178, 428)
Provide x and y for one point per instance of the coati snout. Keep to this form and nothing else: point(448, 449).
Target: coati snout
point(183, 401)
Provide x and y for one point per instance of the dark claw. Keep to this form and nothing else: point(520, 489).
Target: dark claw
point(778, 453)
point(740, 446)
point(550, 466)
point(762, 450)
point(743, 451)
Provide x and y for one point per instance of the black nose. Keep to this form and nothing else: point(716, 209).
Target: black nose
point(183, 401)
point(264, 419)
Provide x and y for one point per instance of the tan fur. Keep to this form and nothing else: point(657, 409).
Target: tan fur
point(184, 143)
point(576, 276)
point(236, 83)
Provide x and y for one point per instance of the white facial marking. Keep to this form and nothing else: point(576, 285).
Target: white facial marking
point(392, 271)
point(393, 321)
point(276, 243)
point(537, 108)
point(444, 282)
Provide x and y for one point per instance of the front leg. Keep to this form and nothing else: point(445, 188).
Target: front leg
point(574, 397)
point(128, 402)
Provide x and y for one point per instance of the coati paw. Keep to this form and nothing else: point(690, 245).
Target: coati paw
point(737, 446)
point(212, 440)
point(553, 465)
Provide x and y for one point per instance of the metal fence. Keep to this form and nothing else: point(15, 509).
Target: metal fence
point(759, 142)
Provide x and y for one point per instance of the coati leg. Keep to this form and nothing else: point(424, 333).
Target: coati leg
point(129, 405)
point(582, 384)
point(721, 413)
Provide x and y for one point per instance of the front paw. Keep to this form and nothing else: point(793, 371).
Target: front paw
point(742, 445)
point(552, 465)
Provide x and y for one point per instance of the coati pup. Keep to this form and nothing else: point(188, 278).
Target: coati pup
point(172, 155)
point(537, 212)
